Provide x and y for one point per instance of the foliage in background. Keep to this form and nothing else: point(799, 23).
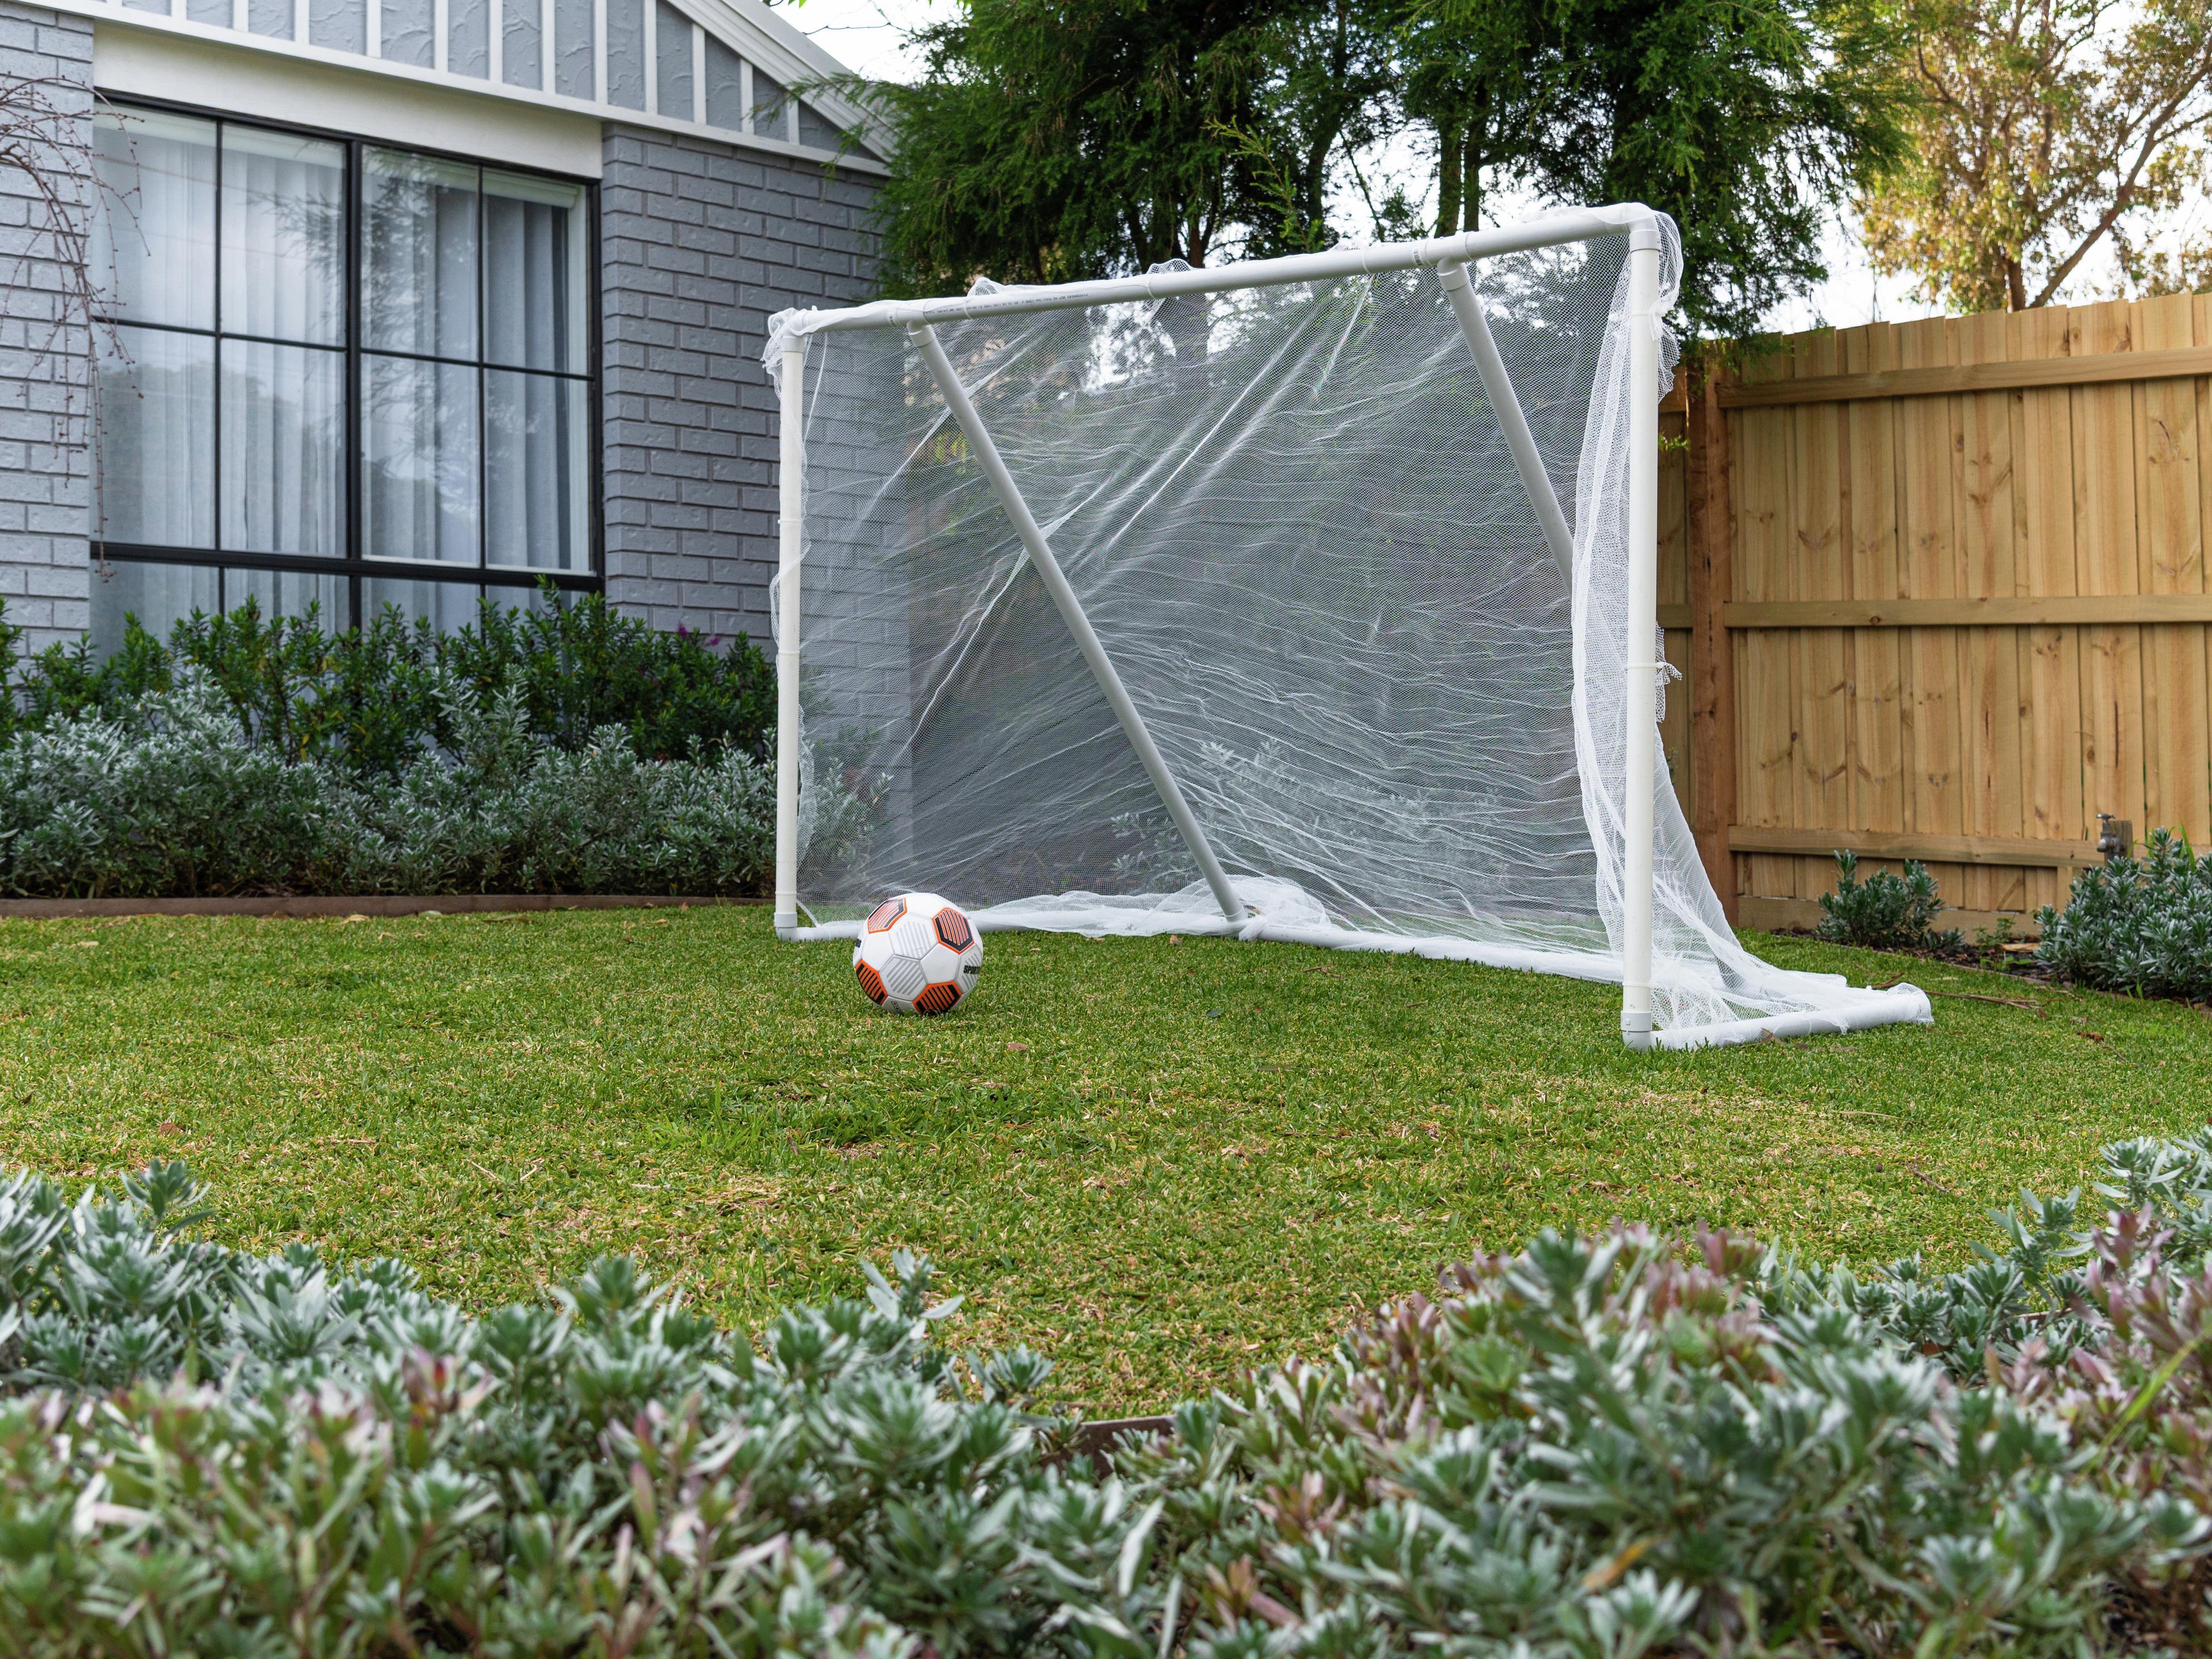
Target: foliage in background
point(2139, 924)
point(170, 797)
point(371, 700)
point(1595, 1449)
point(1886, 912)
point(2041, 130)
point(1746, 120)
point(1049, 143)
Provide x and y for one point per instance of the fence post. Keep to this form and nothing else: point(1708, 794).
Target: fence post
point(1709, 530)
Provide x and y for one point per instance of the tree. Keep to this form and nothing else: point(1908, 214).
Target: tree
point(1744, 119)
point(1473, 73)
point(1052, 141)
point(1046, 143)
point(2042, 131)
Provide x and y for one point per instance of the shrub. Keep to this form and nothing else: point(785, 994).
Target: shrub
point(1886, 912)
point(171, 796)
point(370, 698)
point(2138, 924)
point(1595, 1449)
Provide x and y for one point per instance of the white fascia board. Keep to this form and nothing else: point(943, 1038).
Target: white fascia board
point(258, 47)
point(348, 97)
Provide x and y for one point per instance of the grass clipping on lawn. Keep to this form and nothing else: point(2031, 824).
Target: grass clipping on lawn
point(1158, 1162)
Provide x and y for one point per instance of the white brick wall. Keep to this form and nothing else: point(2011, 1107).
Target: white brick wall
point(44, 366)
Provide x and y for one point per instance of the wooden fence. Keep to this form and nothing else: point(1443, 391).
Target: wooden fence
point(1939, 589)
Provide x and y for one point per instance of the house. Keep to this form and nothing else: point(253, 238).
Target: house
point(404, 301)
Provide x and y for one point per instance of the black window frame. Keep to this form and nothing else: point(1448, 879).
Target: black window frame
point(353, 563)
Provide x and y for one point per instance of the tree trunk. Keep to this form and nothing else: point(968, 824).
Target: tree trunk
point(1448, 178)
point(2015, 284)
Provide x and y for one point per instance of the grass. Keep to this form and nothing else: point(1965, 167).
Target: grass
point(1156, 1161)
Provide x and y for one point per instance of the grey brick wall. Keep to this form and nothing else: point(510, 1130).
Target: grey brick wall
point(700, 244)
point(44, 366)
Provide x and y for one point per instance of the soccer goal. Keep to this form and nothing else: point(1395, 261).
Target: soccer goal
point(1310, 599)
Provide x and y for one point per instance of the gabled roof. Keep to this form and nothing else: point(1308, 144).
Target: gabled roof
point(732, 67)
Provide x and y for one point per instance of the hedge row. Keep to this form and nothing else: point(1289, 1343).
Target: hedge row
point(373, 699)
point(1596, 1448)
point(573, 751)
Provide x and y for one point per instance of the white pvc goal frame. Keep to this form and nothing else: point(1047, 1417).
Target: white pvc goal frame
point(1450, 257)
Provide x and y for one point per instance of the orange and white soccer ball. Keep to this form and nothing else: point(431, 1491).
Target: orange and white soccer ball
point(918, 954)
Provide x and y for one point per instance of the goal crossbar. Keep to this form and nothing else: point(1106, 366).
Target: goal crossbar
point(1453, 258)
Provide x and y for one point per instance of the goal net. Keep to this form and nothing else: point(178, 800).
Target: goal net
point(1310, 599)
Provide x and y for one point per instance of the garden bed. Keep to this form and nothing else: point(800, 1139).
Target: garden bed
point(353, 905)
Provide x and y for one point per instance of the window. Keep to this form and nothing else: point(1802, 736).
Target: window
point(334, 375)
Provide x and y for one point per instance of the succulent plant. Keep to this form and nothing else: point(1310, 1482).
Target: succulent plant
point(1597, 1447)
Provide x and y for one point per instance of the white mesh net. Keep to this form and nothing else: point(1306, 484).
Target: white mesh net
point(1291, 517)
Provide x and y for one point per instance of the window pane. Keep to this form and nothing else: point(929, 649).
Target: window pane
point(671, 42)
point(418, 255)
point(535, 497)
point(534, 295)
point(159, 595)
point(290, 594)
point(152, 246)
point(282, 487)
point(419, 460)
point(449, 606)
point(529, 601)
point(156, 438)
point(283, 236)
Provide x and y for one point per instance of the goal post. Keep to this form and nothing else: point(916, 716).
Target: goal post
point(1335, 661)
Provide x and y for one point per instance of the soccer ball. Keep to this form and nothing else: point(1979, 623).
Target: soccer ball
point(918, 954)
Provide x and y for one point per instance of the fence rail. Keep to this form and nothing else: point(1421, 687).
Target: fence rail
point(1940, 592)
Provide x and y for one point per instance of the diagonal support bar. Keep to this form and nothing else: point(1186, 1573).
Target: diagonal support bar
point(1071, 612)
point(1498, 387)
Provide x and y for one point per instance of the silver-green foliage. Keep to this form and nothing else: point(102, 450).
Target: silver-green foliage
point(174, 798)
point(1595, 1449)
point(2141, 924)
point(1884, 912)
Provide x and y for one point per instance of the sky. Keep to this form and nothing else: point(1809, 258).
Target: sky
point(868, 35)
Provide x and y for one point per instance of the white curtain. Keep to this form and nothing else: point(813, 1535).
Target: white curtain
point(283, 236)
point(534, 471)
point(419, 455)
point(418, 255)
point(152, 226)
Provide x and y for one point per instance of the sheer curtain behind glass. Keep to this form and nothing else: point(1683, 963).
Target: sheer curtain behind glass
point(282, 391)
point(536, 415)
point(419, 292)
point(152, 249)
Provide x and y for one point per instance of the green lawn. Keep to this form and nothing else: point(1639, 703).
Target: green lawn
point(1157, 1162)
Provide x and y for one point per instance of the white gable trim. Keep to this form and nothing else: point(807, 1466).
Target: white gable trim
point(217, 74)
point(771, 46)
